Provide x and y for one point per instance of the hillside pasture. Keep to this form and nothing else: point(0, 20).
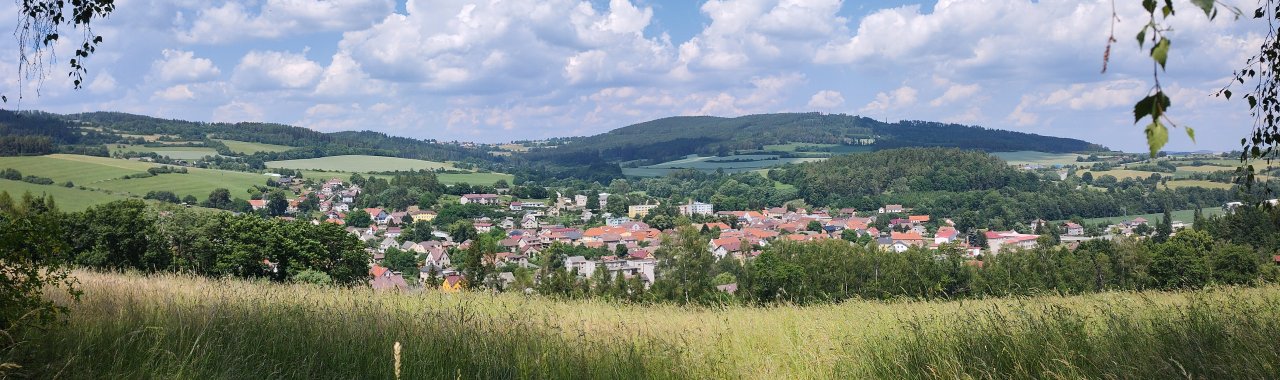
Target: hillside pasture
point(245, 147)
point(1186, 216)
point(66, 198)
point(174, 152)
point(360, 164)
point(169, 326)
point(106, 174)
point(1039, 158)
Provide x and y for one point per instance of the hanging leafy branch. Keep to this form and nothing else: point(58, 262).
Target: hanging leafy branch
point(1262, 72)
point(39, 29)
point(1155, 106)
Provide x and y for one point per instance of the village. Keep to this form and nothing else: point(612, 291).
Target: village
point(633, 244)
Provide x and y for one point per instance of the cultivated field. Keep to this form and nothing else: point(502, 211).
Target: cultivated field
point(359, 164)
point(244, 147)
point(164, 326)
point(67, 199)
point(105, 173)
point(1121, 174)
point(174, 152)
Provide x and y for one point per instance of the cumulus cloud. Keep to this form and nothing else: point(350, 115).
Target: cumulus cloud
point(179, 92)
point(269, 70)
point(238, 111)
point(956, 92)
point(461, 46)
point(899, 98)
point(826, 99)
point(179, 66)
point(237, 20)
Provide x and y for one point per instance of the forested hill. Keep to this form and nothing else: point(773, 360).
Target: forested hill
point(901, 171)
point(316, 143)
point(674, 137)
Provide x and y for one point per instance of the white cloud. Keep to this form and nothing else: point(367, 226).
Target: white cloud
point(103, 83)
point(179, 66)
point(175, 93)
point(899, 98)
point(826, 99)
point(238, 111)
point(235, 20)
point(956, 92)
point(270, 70)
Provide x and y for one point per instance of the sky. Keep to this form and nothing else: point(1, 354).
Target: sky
point(502, 70)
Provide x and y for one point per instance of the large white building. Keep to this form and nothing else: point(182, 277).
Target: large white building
point(697, 208)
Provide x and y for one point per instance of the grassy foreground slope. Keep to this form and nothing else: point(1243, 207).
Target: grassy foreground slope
point(130, 326)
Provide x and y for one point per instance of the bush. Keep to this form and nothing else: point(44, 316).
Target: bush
point(313, 277)
point(37, 180)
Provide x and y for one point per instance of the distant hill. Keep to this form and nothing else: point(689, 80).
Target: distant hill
point(318, 144)
point(674, 137)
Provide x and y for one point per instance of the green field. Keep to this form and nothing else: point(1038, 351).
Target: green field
point(244, 147)
point(1039, 158)
point(1121, 174)
point(167, 326)
point(1197, 183)
point(445, 178)
point(359, 164)
point(105, 173)
point(175, 152)
point(751, 162)
point(1185, 216)
point(66, 198)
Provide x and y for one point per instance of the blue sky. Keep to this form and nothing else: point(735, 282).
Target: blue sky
point(498, 70)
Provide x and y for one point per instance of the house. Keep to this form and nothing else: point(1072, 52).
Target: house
point(258, 204)
point(1074, 229)
point(918, 219)
point(997, 241)
point(584, 267)
point(725, 246)
point(891, 209)
point(636, 211)
point(483, 199)
point(911, 238)
point(423, 216)
point(438, 258)
point(452, 283)
point(483, 227)
point(394, 282)
point(945, 235)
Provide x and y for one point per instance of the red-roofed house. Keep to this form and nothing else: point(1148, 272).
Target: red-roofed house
point(258, 204)
point(945, 235)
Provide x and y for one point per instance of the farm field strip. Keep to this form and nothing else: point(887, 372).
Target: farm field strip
point(359, 164)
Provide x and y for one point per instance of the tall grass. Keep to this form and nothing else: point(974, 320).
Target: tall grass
point(131, 326)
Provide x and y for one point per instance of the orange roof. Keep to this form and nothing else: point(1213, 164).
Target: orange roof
point(918, 218)
point(377, 271)
point(905, 236)
point(855, 225)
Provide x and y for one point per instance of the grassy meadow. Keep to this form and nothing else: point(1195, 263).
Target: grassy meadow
point(174, 152)
point(244, 147)
point(103, 173)
point(166, 326)
point(359, 164)
point(1180, 215)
